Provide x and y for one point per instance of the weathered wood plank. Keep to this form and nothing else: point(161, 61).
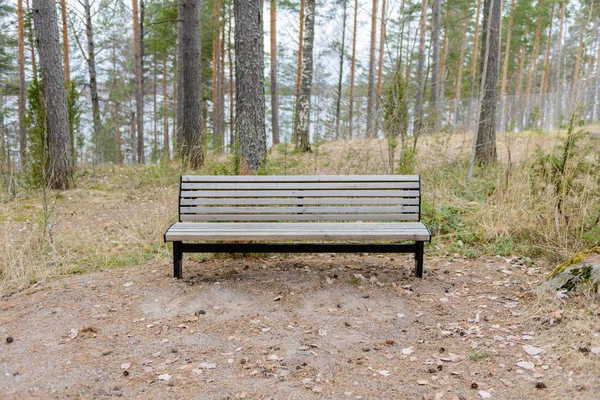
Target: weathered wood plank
point(302, 201)
point(301, 178)
point(299, 217)
point(300, 186)
point(298, 210)
point(299, 193)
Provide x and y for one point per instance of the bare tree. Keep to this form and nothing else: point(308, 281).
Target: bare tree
point(274, 88)
point(303, 125)
point(22, 84)
point(435, 74)
point(371, 126)
point(249, 88)
point(485, 148)
point(139, 84)
point(192, 76)
point(420, 72)
point(352, 70)
point(60, 171)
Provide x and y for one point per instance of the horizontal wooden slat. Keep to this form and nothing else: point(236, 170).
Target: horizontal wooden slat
point(299, 193)
point(297, 231)
point(298, 210)
point(400, 201)
point(300, 186)
point(301, 178)
point(299, 217)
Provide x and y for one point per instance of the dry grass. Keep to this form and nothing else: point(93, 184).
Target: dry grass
point(119, 220)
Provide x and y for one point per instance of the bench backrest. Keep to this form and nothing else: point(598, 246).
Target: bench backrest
point(300, 198)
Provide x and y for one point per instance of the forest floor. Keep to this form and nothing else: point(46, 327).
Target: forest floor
point(320, 326)
point(92, 310)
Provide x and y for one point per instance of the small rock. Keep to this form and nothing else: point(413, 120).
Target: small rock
point(126, 366)
point(200, 312)
point(322, 332)
point(532, 350)
point(207, 365)
point(540, 385)
point(485, 395)
point(273, 357)
point(9, 340)
point(525, 365)
point(408, 351)
point(366, 348)
point(164, 377)
point(594, 350)
point(422, 382)
point(128, 284)
point(474, 385)
point(384, 372)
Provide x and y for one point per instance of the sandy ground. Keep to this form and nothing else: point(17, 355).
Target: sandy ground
point(316, 326)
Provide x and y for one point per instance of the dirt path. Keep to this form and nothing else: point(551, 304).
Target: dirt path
point(322, 326)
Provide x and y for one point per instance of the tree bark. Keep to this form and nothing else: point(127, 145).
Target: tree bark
point(420, 72)
point(218, 101)
point(303, 125)
point(139, 89)
point(192, 76)
point(22, 85)
point(575, 88)
point(119, 155)
point(352, 70)
point(31, 44)
point(485, 149)
point(435, 65)
point(65, 36)
point(274, 88)
point(474, 63)
point(91, 61)
point(545, 70)
point(505, 64)
point(166, 152)
point(338, 102)
point(380, 67)
point(371, 130)
point(231, 84)
point(558, 57)
point(133, 137)
point(180, 87)
point(459, 78)
point(60, 171)
point(250, 98)
point(532, 67)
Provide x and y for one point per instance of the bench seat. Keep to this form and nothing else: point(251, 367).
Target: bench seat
point(297, 231)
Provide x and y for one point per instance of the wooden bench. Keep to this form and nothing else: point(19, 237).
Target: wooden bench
point(299, 214)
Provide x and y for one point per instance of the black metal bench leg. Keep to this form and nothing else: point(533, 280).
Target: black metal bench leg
point(177, 259)
point(419, 259)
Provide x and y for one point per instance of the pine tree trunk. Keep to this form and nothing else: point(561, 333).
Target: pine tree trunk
point(166, 152)
point(575, 87)
point(250, 98)
point(139, 89)
point(299, 71)
point(380, 67)
point(442, 80)
point(22, 85)
point(545, 70)
point(435, 65)
point(338, 102)
point(155, 114)
point(459, 79)
point(31, 44)
point(474, 64)
point(133, 137)
point(371, 130)
point(532, 67)
point(485, 150)
point(518, 84)
point(60, 172)
point(231, 85)
point(218, 102)
point(505, 64)
point(420, 73)
point(179, 141)
point(192, 76)
point(274, 88)
point(558, 58)
point(91, 61)
point(352, 71)
point(303, 125)
point(119, 155)
point(65, 37)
